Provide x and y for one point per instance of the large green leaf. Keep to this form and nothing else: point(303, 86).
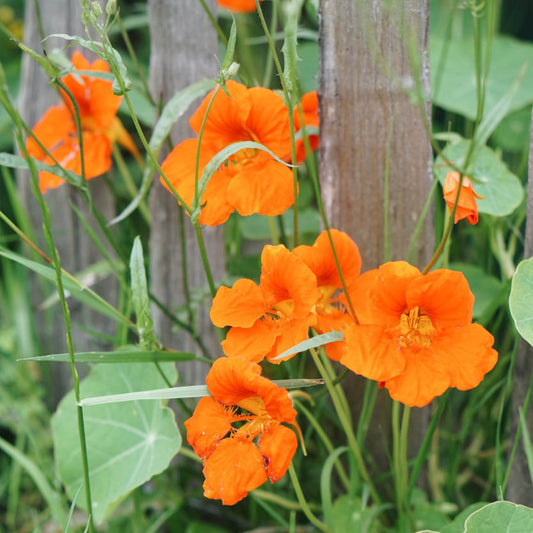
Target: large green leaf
point(457, 89)
point(127, 443)
point(521, 298)
point(501, 190)
point(500, 516)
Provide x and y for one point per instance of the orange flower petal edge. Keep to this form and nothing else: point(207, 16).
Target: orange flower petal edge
point(415, 335)
point(57, 132)
point(238, 6)
point(233, 463)
point(466, 204)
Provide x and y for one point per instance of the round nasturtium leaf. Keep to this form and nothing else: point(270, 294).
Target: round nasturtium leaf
point(521, 299)
point(454, 75)
point(500, 516)
point(501, 190)
point(127, 443)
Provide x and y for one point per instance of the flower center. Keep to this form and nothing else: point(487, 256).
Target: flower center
point(328, 302)
point(244, 158)
point(416, 329)
point(259, 419)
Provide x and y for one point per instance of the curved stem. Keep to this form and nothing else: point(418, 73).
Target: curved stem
point(303, 502)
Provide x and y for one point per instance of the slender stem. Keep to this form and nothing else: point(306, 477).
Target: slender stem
point(47, 223)
point(214, 23)
point(269, 63)
point(133, 56)
point(289, 99)
point(130, 185)
point(303, 502)
point(345, 420)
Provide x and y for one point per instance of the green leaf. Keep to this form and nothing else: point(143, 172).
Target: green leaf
point(230, 49)
point(457, 91)
point(314, 342)
point(501, 190)
point(308, 66)
point(486, 288)
point(77, 290)
point(325, 485)
point(521, 297)
point(172, 111)
point(134, 355)
point(127, 444)
point(513, 132)
point(458, 523)
point(500, 516)
point(15, 161)
point(189, 391)
point(139, 290)
point(349, 514)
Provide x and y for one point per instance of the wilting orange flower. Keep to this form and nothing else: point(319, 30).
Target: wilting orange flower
point(238, 6)
point(415, 333)
point(331, 306)
point(100, 126)
point(271, 317)
point(233, 463)
point(466, 205)
point(251, 181)
point(309, 106)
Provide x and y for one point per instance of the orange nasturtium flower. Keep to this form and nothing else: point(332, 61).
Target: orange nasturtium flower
point(415, 333)
point(309, 107)
point(271, 317)
point(234, 464)
point(331, 308)
point(238, 6)
point(250, 181)
point(466, 205)
point(100, 126)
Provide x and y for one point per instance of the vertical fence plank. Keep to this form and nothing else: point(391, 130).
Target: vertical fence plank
point(184, 47)
point(369, 127)
point(75, 247)
point(519, 488)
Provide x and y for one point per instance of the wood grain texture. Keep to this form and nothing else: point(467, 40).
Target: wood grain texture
point(75, 247)
point(367, 118)
point(520, 485)
point(184, 47)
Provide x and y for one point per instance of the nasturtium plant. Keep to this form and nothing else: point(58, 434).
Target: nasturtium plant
point(127, 443)
point(521, 298)
point(453, 60)
point(501, 190)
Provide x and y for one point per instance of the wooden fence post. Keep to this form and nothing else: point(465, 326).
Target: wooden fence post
point(368, 129)
point(184, 48)
point(76, 249)
point(520, 485)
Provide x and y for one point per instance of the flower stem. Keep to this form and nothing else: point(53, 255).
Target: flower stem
point(345, 420)
point(303, 502)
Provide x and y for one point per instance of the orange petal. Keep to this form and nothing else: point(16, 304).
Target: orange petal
point(233, 379)
point(277, 446)
point(371, 353)
point(209, 423)
point(425, 377)
point(320, 259)
point(444, 296)
point(466, 204)
point(216, 208)
point(226, 120)
point(253, 343)
point(55, 126)
point(232, 470)
point(238, 6)
point(268, 120)
point(264, 187)
point(239, 306)
point(284, 276)
point(290, 334)
point(468, 354)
